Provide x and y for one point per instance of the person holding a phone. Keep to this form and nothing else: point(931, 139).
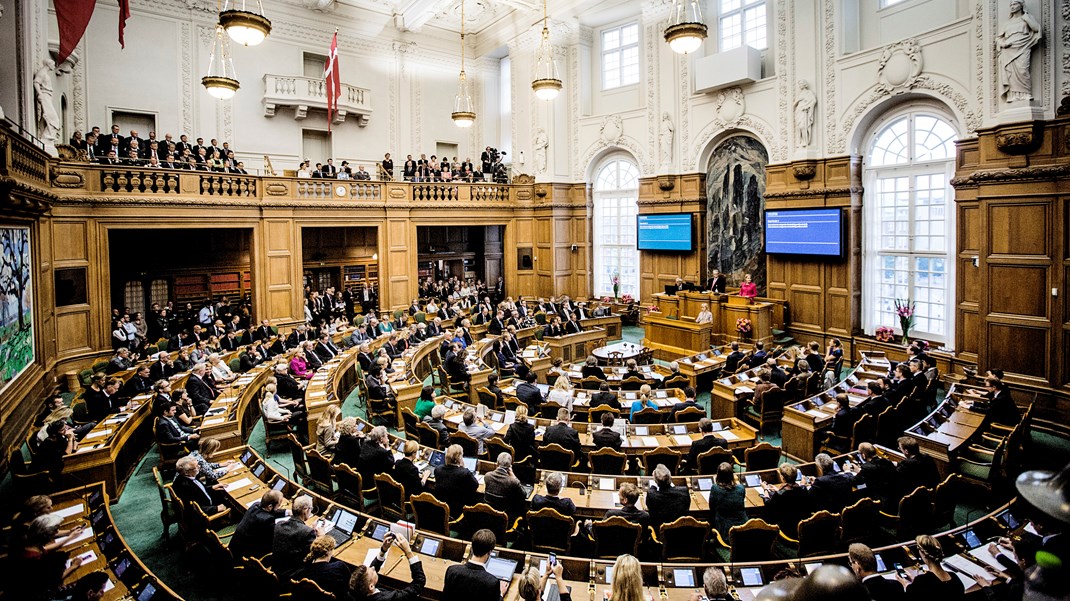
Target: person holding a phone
point(532, 584)
point(863, 562)
point(935, 582)
point(363, 583)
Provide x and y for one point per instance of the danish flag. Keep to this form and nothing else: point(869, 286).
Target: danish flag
point(333, 80)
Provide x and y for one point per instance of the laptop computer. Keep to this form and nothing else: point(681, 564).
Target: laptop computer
point(501, 568)
point(470, 463)
point(344, 523)
point(146, 592)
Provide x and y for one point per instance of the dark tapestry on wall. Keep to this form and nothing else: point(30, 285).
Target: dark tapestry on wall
point(735, 192)
point(16, 304)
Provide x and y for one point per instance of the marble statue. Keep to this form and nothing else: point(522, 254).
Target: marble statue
point(541, 145)
point(804, 115)
point(666, 134)
point(48, 121)
point(1015, 42)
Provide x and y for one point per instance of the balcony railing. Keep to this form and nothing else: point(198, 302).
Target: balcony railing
point(303, 93)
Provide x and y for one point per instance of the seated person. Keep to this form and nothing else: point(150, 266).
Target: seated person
point(727, 500)
point(375, 455)
point(435, 421)
point(292, 538)
point(474, 427)
point(170, 431)
point(731, 361)
point(789, 502)
point(591, 369)
point(628, 495)
point(320, 566)
point(606, 436)
point(708, 441)
point(831, 490)
point(605, 396)
point(191, 490)
point(759, 355)
point(561, 393)
point(664, 501)
point(998, 404)
point(643, 402)
point(521, 435)
point(553, 483)
point(252, 537)
point(455, 485)
point(501, 483)
point(916, 469)
point(689, 401)
point(562, 433)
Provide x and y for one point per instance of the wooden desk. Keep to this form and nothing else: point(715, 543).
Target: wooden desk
point(672, 338)
point(610, 323)
point(573, 347)
point(950, 428)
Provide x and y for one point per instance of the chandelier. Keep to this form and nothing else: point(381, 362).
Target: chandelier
point(246, 27)
point(686, 29)
point(464, 115)
point(221, 81)
point(547, 82)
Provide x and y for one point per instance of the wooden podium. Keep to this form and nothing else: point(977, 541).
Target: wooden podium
point(673, 332)
point(759, 314)
point(674, 338)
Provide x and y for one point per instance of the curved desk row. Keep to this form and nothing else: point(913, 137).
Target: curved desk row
point(951, 426)
point(670, 581)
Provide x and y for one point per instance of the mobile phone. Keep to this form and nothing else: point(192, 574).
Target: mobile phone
point(899, 570)
point(553, 559)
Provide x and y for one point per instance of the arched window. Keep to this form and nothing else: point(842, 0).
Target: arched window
point(908, 224)
point(616, 193)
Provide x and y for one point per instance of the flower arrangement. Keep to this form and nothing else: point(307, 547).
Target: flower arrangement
point(627, 298)
point(607, 299)
point(615, 280)
point(885, 334)
point(653, 309)
point(904, 308)
point(743, 325)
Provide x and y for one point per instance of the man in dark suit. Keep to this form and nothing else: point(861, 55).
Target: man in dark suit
point(632, 370)
point(169, 431)
point(791, 502)
point(100, 404)
point(253, 536)
point(298, 335)
point(292, 538)
point(831, 490)
point(606, 436)
point(998, 405)
point(562, 433)
point(553, 484)
point(471, 580)
point(263, 332)
point(916, 469)
point(664, 501)
point(864, 564)
point(375, 455)
point(529, 394)
point(759, 356)
point(230, 342)
point(325, 348)
point(707, 442)
point(876, 402)
point(731, 362)
point(844, 420)
point(362, 584)
point(876, 473)
point(199, 391)
point(591, 368)
point(572, 326)
point(191, 490)
point(605, 396)
point(776, 375)
point(689, 401)
point(717, 282)
point(628, 494)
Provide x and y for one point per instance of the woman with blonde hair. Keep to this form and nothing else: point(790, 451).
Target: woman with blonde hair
point(627, 580)
point(532, 584)
point(206, 449)
point(642, 402)
point(332, 575)
point(935, 582)
point(521, 435)
point(327, 430)
point(220, 370)
point(561, 393)
point(704, 314)
point(299, 366)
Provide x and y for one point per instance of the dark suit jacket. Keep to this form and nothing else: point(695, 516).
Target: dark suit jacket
point(254, 533)
point(702, 445)
point(563, 506)
point(455, 486)
point(917, 471)
point(564, 435)
point(472, 582)
point(98, 404)
point(407, 475)
point(879, 477)
point(189, 492)
point(410, 592)
point(605, 437)
point(530, 395)
point(731, 362)
point(374, 459)
point(347, 451)
point(521, 436)
point(1002, 409)
point(666, 505)
point(593, 370)
point(632, 514)
point(882, 589)
point(832, 491)
point(170, 432)
point(502, 484)
point(291, 542)
point(716, 284)
point(332, 576)
point(199, 392)
point(159, 371)
point(605, 397)
point(787, 506)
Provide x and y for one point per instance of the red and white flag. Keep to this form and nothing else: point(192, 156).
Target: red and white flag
point(333, 80)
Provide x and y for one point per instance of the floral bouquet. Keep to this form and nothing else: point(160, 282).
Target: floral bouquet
point(615, 280)
point(607, 299)
point(905, 310)
point(743, 326)
point(885, 334)
point(653, 309)
point(627, 298)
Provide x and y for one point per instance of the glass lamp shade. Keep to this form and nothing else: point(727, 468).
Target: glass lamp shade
point(463, 114)
point(222, 88)
point(246, 27)
point(685, 38)
point(546, 89)
point(220, 81)
point(547, 82)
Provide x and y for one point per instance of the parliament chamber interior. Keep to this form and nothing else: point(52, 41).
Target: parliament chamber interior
point(679, 300)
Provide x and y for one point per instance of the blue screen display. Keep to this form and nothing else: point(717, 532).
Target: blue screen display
point(804, 232)
point(665, 232)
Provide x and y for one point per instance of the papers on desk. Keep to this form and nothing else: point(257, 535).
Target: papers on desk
point(98, 434)
point(87, 533)
point(681, 439)
point(705, 494)
point(212, 422)
point(115, 420)
point(87, 448)
point(87, 557)
point(370, 556)
point(727, 435)
point(608, 484)
point(67, 512)
point(962, 565)
point(235, 485)
point(983, 555)
point(110, 585)
point(662, 403)
point(744, 390)
point(649, 441)
point(815, 413)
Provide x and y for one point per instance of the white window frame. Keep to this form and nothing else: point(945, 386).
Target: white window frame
point(888, 3)
point(741, 12)
point(617, 198)
point(619, 51)
point(872, 251)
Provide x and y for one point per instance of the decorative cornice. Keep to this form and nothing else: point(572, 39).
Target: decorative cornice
point(224, 201)
point(848, 191)
point(1004, 175)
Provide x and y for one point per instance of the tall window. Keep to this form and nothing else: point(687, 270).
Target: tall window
point(742, 23)
point(620, 56)
point(908, 229)
point(616, 193)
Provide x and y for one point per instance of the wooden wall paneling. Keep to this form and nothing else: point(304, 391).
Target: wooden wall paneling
point(70, 248)
point(45, 293)
point(397, 277)
point(277, 271)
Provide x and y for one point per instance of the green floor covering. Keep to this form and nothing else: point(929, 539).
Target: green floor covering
point(137, 512)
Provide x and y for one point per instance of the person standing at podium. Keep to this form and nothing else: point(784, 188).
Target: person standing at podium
point(747, 288)
point(704, 314)
point(716, 282)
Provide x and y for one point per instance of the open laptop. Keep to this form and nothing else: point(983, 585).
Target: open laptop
point(501, 568)
point(344, 523)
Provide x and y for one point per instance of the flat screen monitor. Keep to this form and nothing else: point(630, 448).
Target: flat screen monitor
point(683, 578)
point(814, 232)
point(667, 231)
point(501, 568)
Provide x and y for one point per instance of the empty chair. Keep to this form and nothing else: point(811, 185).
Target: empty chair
point(684, 539)
point(752, 541)
point(607, 461)
point(711, 459)
point(763, 456)
point(479, 516)
point(391, 497)
point(431, 515)
point(615, 536)
point(549, 531)
point(860, 523)
point(670, 458)
point(819, 534)
point(556, 458)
